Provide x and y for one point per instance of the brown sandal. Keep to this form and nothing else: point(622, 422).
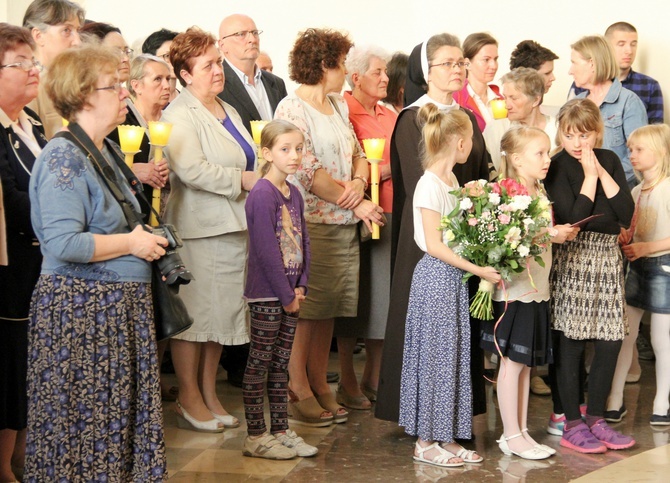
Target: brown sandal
point(327, 400)
point(307, 412)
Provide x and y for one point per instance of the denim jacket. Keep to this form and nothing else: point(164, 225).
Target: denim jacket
point(623, 112)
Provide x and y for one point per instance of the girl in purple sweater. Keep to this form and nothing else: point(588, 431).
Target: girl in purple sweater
point(276, 284)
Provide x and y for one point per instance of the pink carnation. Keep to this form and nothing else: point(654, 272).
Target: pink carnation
point(495, 187)
point(504, 219)
point(472, 221)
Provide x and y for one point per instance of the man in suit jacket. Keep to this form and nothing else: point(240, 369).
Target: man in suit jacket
point(253, 92)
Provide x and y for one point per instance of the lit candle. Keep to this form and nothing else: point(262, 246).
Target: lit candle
point(130, 138)
point(159, 133)
point(499, 108)
point(257, 129)
point(374, 150)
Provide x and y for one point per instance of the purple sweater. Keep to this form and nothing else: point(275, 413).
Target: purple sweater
point(278, 244)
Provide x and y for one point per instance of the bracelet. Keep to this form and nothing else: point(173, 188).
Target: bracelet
point(365, 181)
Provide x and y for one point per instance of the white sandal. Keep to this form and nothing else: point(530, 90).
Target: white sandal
point(440, 459)
point(468, 456)
point(541, 446)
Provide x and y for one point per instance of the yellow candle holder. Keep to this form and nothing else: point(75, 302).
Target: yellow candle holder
point(257, 129)
point(159, 134)
point(499, 108)
point(374, 151)
point(130, 139)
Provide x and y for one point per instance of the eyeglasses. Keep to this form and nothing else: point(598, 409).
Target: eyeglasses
point(242, 34)
point(114, 87)
point(128, 51)
point(26, 65)
point(452, 65)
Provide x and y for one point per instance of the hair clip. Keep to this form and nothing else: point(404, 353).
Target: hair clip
point(503, 153)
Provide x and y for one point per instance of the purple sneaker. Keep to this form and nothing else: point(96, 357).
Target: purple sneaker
point(581, 440)
point(611, 438)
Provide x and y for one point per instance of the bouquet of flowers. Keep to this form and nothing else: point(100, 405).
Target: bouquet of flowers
point(496, 224)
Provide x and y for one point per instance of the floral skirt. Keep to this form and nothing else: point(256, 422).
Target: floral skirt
point(94, 406)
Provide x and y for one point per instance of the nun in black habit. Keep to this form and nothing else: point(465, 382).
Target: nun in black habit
point(406, 170)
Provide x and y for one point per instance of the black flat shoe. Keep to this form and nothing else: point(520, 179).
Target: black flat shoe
point(657, 420)
point(615, 416)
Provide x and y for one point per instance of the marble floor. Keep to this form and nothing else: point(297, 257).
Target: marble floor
point(366, 449)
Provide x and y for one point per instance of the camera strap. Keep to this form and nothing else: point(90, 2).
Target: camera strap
point(78, 136)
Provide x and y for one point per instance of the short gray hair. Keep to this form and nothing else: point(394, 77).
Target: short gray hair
point(137, 68)
point(527, 80)
point(41, 14)
point(358, 60)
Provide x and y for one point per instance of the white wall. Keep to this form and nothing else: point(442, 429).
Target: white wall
point(395, 25)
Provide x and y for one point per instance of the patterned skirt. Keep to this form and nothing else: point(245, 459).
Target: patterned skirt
point(435, 386)
point(587, 288)
point(94, 406)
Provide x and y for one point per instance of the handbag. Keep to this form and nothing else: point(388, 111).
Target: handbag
point(170, 314)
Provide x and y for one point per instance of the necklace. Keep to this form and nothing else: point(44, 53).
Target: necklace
point(651, 186)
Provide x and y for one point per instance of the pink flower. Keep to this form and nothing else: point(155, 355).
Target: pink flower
point(495, 187)
point(472, 221)
point(513, 187)
point(490, 227)
point(504, 219)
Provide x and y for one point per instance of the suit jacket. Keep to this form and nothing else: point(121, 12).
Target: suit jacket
point(18, 278)
point(235, 94)
point(206, 165)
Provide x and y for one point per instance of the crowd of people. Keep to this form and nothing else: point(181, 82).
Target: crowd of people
point(274, 235)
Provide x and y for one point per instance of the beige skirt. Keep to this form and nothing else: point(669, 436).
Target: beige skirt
point(332, 288)
point(215, 298)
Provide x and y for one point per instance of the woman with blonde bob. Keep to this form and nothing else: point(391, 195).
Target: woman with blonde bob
point(594, 67)
point(94, 409)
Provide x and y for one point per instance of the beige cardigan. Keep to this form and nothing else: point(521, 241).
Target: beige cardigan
point(206, 164)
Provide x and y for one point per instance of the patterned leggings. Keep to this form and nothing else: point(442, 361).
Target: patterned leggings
point(272, 333)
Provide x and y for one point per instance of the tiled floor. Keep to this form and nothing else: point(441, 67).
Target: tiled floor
point(366, 449)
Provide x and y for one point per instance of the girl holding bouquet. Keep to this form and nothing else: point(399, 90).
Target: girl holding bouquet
point(522, 336)
point(587, 282)
point(435, 392)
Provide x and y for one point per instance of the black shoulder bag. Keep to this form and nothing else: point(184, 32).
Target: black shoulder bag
point(167, 273)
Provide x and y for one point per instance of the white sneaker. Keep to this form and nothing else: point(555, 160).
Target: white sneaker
point(267, 446)
point(292, 440)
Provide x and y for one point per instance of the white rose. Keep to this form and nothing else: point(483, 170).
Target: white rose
point(494, 198)
point(520, 202)
point(528, 221)
point(523, 250)
point(466, 204)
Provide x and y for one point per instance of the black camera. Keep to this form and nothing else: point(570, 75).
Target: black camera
point(171, 265)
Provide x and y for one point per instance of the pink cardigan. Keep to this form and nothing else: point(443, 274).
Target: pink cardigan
point(464, 99)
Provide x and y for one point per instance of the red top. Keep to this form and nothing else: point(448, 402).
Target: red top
point(379, 126)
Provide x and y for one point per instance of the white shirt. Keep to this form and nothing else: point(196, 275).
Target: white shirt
point(434, 194)
point(256, 92)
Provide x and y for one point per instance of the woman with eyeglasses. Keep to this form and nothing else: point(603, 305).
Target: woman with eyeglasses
point(94, 408)
point(481, 54)
point(212, 161)
point(438, 67)
point(21, 140)
point(158, 43)
point(54, 25)
point(111, 37)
